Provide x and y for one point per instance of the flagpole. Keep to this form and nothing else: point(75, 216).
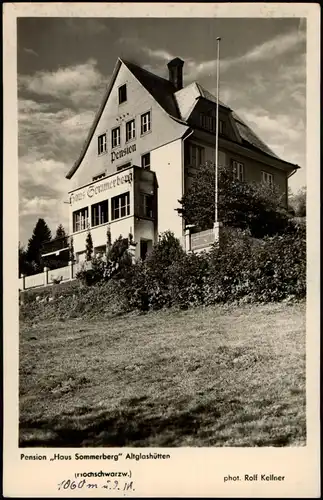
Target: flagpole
point(216, 214)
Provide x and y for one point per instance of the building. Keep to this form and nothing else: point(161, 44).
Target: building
point(147, 137)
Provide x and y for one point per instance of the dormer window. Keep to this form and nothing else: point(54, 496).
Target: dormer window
point(208, 122)
point(122, 93)
point(102, 144)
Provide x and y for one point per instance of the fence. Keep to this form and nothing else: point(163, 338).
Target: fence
point(49, 276)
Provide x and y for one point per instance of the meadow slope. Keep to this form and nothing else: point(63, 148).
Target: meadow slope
point(216, 376)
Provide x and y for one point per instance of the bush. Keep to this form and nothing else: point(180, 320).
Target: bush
point(245, 205)
point(93, 275)
point(242, 269)
point(116, 265)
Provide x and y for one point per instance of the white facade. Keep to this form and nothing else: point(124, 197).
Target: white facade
point(137, 159)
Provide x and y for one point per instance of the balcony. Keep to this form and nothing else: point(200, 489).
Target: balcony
point(55, 247)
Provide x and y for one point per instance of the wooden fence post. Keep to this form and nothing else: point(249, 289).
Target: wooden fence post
point(23, 277)
point(45, 276)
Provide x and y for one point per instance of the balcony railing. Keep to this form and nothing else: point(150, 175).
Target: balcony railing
point(55, 246)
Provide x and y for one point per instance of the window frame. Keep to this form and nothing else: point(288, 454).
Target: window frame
point(100, 205)
point(98, 176)
point(83, 223)
point(142, 124)
point(123, 86)
point(123, 166)
point(120, 206)
point(269, 175)
point(112, 141)
point(236, 170)
point(133, 130)
point(103, 145)
point(146, 167)
point(145, 210)
point(201, 154)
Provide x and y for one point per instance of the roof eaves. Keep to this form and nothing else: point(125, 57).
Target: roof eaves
point(163, 79)
point(97, 117)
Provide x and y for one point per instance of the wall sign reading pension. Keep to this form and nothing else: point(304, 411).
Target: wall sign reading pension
point(116, 155)
point(93, 190)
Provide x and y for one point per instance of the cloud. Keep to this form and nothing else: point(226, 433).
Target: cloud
point(284, 133)
point(49, 142)
point(273, 48)
point(73, 83)
point(42, 191)
point(161, 54)
point(55, 111)
point(269, 50)
point(84, 26)
point(30, 52)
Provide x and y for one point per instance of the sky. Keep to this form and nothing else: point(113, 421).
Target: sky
point(64, 66)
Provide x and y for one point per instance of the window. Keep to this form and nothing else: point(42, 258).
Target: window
point(130, 130)
point(115, 137)
point(122, 167)
point(267, 178)
point(120, 206)
point(80, 220)
point(99, 176)
point(145, 161)
point(196, 155)
point(102, 144)
point(238, 170)
point(146, 205)
point(122, 93)
point(209, 123)
point(100, 213)
point(145, 123)
point(221, 127)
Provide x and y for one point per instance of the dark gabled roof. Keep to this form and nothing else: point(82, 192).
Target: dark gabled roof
point(161, 89)
point(250, 138)
point(210, 97)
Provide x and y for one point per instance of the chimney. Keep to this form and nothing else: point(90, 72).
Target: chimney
point(175, 68)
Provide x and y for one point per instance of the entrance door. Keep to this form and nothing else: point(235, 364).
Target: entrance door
point(145, 248)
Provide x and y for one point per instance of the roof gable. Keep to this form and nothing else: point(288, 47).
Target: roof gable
point(179, 105)
point(97, 117)
point(243, 133)
point(161, 89)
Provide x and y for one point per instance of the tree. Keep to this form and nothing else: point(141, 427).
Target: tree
point(109, 239)
point(71, 250)
point(119, 259)
point(298, 202)
point(88, 246)
point(24, 266)
point(244, 205)
point(60, 232)
point(41, 234)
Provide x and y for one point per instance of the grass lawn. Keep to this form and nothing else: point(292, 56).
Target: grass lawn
point(220, 376)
